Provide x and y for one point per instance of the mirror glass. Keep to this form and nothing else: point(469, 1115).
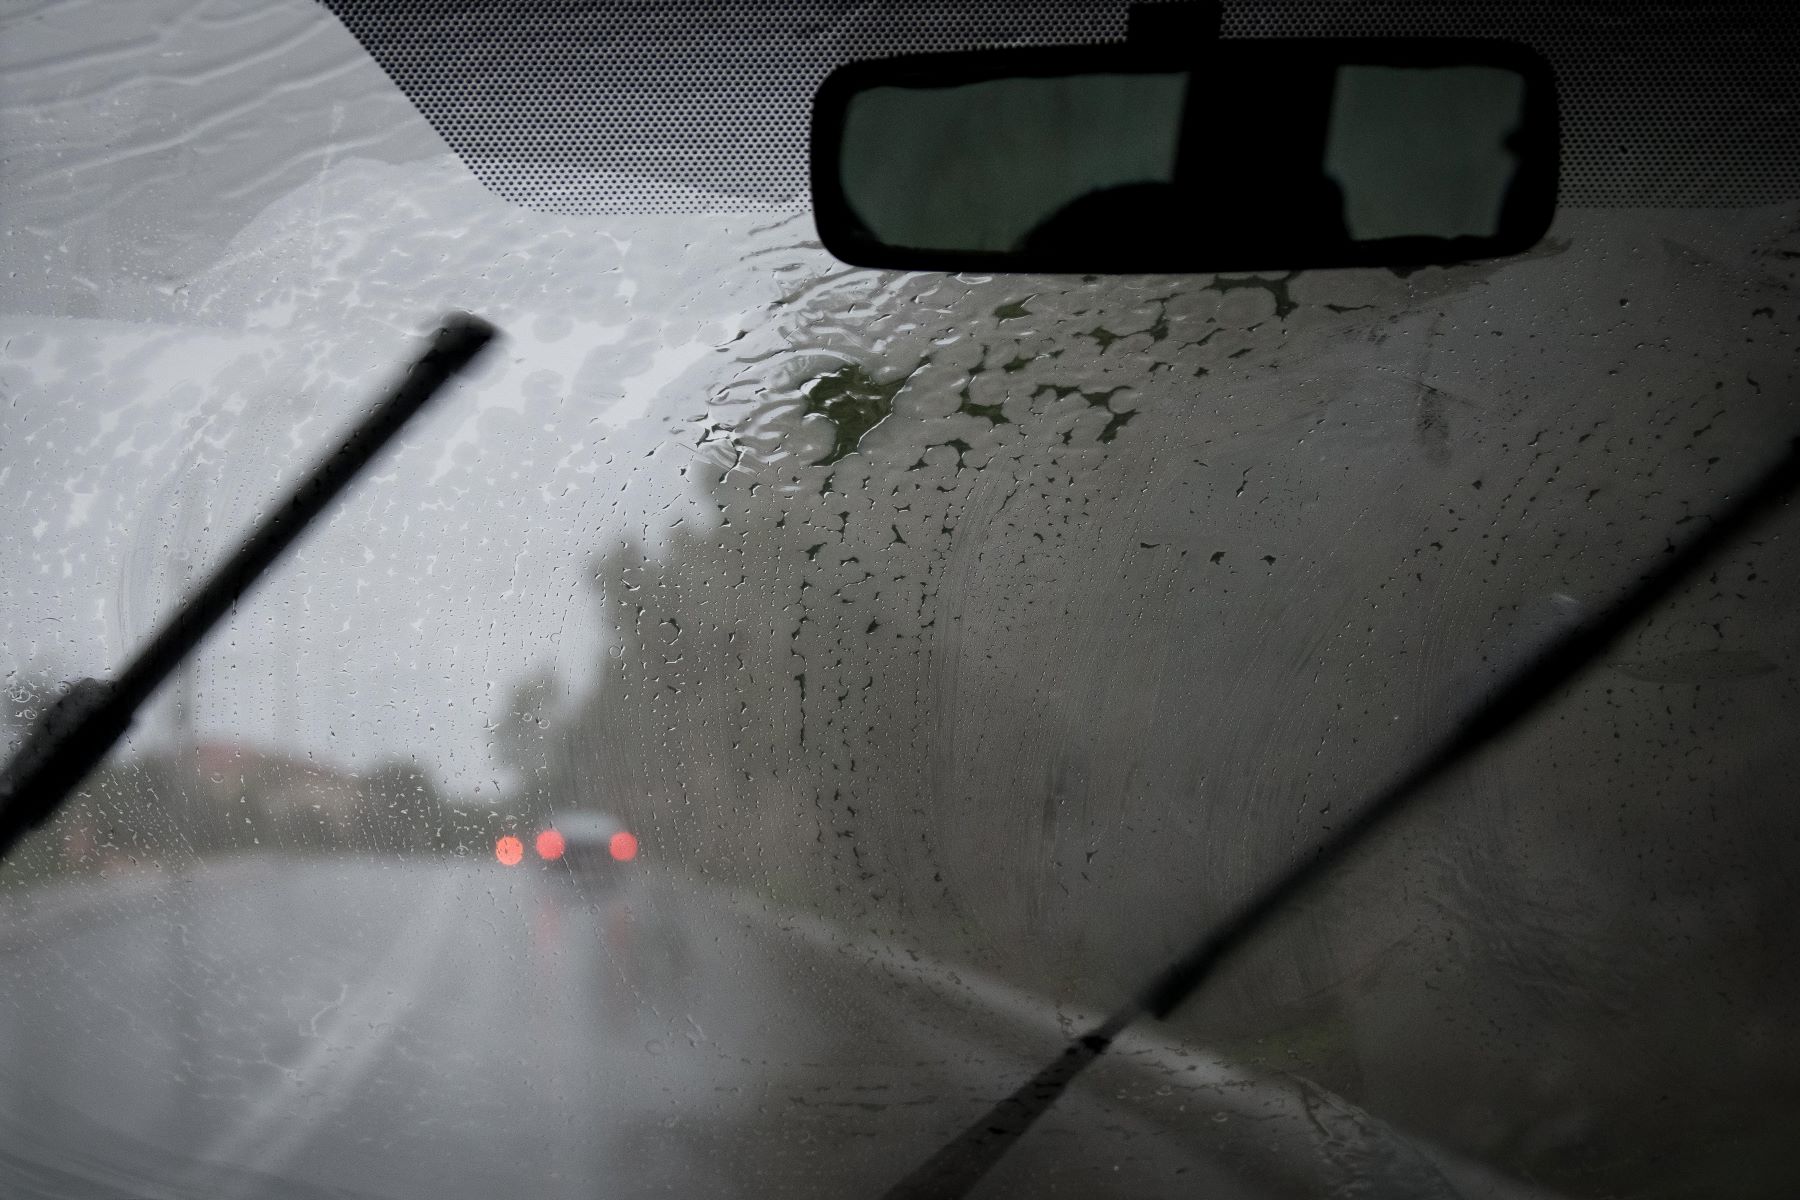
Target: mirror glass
point(1250, 161)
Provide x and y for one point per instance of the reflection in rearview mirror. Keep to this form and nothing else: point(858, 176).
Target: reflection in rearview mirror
point(984, 165)
point(1266, 155)
point(1423, 152)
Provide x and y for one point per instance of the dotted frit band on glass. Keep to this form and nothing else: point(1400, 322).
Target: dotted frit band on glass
point(684, 106)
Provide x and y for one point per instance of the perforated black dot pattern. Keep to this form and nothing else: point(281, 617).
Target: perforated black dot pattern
point(689, 106)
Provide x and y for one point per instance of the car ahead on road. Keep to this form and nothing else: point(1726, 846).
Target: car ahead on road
point(592, 847)
point(1019, 506)
point(581, 839)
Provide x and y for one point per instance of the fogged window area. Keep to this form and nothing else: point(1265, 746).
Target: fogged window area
point(747, 725)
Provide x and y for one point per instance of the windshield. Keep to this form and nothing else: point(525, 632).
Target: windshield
point(742, 729)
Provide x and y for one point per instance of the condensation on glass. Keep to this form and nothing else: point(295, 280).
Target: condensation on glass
point(907, 665)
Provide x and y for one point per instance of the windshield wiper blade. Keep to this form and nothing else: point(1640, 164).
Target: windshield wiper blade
point(960, 1164)
point(76, 732)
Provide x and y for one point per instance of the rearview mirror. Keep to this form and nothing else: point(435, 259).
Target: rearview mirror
point(1252, 155)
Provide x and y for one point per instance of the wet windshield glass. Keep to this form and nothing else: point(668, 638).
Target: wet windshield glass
point(736, 735)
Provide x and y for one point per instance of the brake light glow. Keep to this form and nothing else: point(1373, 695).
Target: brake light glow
point(509, 850)
point(623, 846)
point(550, 845)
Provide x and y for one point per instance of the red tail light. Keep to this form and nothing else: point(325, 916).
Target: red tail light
point(550, 845)
point(623, 846)
point(509, 850)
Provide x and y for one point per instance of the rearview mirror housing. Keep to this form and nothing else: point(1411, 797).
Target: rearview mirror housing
point(1244, 156)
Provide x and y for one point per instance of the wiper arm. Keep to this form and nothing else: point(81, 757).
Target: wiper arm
point(960, 1164)
point(90, 717)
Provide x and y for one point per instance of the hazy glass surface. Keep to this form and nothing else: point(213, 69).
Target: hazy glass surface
point(953, 647)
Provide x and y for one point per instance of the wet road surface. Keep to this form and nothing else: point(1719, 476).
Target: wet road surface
point(355, 1027)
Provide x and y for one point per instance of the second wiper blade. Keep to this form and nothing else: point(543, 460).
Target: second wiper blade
point(959, 1165)
point(90, 717)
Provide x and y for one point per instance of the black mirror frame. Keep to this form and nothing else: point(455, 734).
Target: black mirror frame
point(1530, 209)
